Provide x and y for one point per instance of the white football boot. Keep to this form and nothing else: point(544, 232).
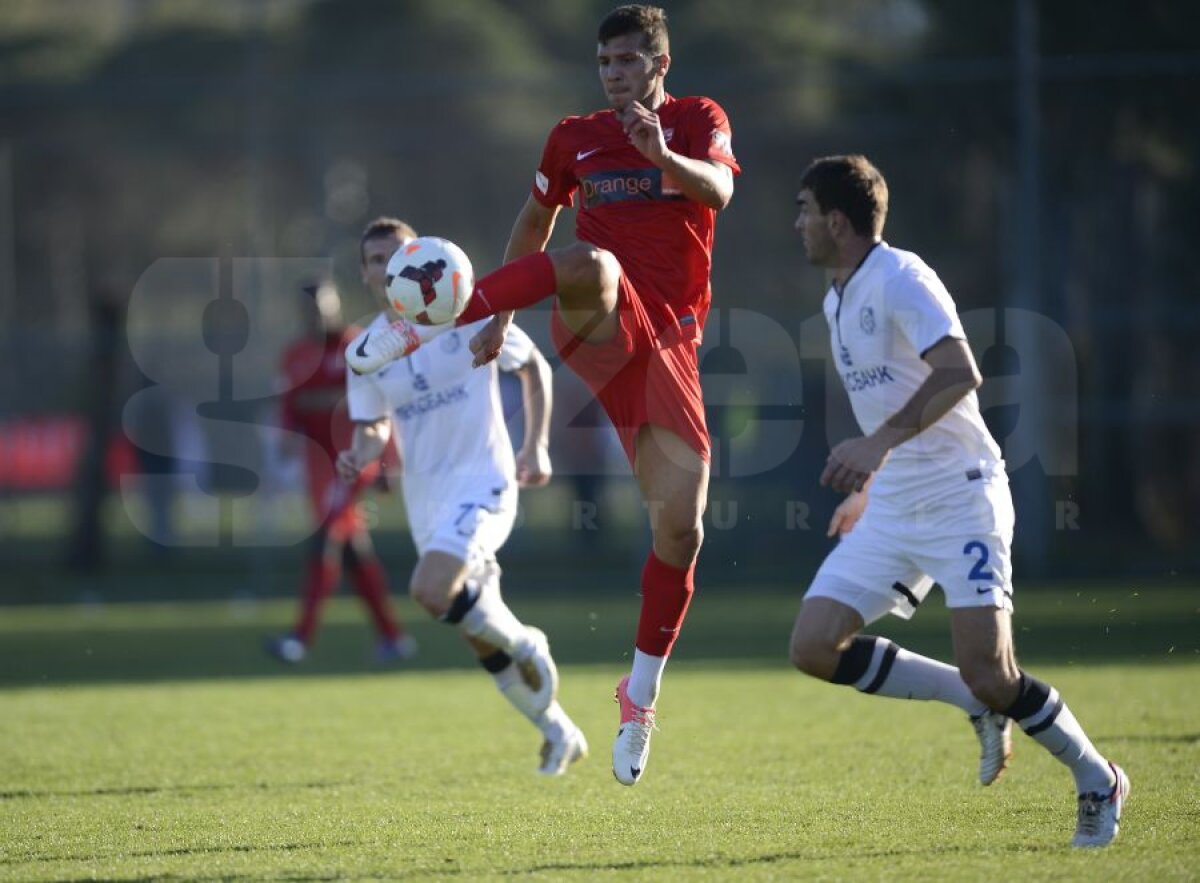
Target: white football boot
point(995, 744)
point(631, 750)
point(1100, 813)
point(564, 745)
point(375, 347)
point(287, 648)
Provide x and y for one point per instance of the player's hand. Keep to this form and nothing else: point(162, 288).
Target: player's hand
point(487, 343)
point(391, 473)
point(533, 466)
point(348, 465)
point(847, 514)
point(645, 131)
point(852, 463)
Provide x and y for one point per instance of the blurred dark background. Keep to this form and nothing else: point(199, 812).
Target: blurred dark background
point(170, 172)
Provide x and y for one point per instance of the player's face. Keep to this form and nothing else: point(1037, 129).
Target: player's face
point(628, 72)
point(377, 251)
point(813, 228)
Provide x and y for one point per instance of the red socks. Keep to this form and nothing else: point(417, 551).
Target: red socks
point(371, 583)
point(666, 592)
point(519, 283)
point(322, 579)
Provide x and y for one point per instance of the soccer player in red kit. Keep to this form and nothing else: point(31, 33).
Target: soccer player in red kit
point(650, 173)
point(313, 406)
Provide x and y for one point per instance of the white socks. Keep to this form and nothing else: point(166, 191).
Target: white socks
point(490, 620)
point(553, 721)
point(1045, 718)
point(878, 666)
point(646, 677)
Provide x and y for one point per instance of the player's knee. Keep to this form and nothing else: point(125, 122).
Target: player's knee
point(432, 595)
point(814, 657)
point(585, 268)
point(680, 537)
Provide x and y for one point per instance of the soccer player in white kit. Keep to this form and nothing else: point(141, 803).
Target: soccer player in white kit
point(940, 508)
point(460, 480)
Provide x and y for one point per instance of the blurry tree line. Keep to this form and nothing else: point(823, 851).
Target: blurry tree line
point(132, 130)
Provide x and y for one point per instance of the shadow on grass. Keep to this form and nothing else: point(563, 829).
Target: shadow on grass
point(583, 868)
point(726, 625)
point(140, 790)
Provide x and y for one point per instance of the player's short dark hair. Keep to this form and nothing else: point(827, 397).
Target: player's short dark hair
point(381, 228)
point(649, 21)
point(853, 186)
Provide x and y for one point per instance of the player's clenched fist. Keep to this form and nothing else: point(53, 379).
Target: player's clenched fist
point(348, 465)
point(644, 130)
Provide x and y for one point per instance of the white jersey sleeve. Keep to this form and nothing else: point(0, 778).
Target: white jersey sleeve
point(365, 400)
point(517, 350)
point(922, 309)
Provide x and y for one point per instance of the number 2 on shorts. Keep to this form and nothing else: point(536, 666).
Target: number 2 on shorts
point(980, 570)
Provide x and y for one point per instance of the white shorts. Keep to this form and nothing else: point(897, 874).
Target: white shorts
point(889, 562)
point(471, 523)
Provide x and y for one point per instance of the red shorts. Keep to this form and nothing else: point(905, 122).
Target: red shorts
point(642, 375)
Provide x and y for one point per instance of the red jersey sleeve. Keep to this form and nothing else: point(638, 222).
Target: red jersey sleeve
point(553, 182)
point(709, 135)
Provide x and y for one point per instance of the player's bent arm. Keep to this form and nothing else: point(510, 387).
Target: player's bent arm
point(954, 375)
point(706, 181)
point(367, 444)
point(531, 230)
point(533, 460)
point(530, 233)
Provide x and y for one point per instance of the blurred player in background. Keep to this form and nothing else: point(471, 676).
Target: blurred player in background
point(633, 293)
point(940, 507)
point(460, 481)
point(313, 405)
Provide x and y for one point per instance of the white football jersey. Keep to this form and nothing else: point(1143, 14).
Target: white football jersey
point(891, 310)
point(446, 414)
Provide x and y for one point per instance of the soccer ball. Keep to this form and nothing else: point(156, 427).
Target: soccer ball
point(429, 281)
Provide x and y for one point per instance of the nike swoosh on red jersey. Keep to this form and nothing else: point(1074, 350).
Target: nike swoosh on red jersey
point(584, 154)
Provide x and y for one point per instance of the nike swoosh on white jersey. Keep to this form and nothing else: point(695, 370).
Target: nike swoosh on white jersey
point(584, 154)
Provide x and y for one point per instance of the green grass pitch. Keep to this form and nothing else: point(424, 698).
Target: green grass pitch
point(156, 742)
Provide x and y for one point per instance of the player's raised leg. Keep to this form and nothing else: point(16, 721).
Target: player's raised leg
point(584, 277)
point(674, 482)
point(983, 648)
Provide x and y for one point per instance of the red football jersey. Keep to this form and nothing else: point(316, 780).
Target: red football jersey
point(313, 399)
point(630, 207)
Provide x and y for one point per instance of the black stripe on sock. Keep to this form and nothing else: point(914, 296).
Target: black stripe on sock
point(1046, 722)
point(903, 590)
point(855, 660)
point(885, 668)
point(1032, 696)
point(462, 603)
point(496, 662)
